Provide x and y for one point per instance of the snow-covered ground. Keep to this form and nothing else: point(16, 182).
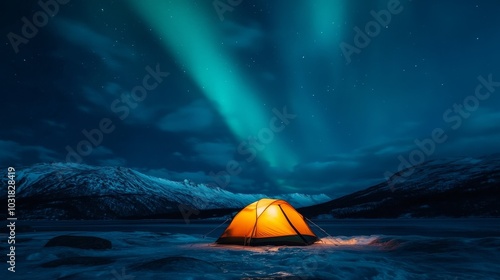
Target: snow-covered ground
point(357, 249)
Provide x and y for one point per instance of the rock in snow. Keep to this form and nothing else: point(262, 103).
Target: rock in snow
point(83, 261)
point(81, 242)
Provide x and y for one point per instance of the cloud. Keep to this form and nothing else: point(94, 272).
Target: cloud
point(477, 136)
point(80, 35)
point(241, 36)
point(347, 187)
point(393, 149)
point(330, 164)
point(214, 153)
point(364, 167)
point(54, 124)
point(200, 177)
point(483, 121)
point(194, 117)
point(268, 76)
point(344, 173)
point(118, 161)
point(11, 151)
point(408, 127)
point(96, 97)
point(22, 131)
point(113, 89)
point(101, 151)
point(101, 99)
point(106, 157)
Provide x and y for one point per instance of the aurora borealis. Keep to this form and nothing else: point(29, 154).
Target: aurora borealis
point(231, 78)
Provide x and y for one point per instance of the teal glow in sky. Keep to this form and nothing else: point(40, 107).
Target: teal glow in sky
point(355, 118)
point(197, 43)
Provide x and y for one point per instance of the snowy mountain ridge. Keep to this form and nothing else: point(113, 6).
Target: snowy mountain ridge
point(68, 190)
point(449, 187)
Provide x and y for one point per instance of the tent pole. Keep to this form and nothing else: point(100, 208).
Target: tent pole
point(319, 227)
point(205, 235)
point(293, 227)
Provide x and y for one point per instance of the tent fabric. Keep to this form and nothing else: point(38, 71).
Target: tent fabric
point(268, 222)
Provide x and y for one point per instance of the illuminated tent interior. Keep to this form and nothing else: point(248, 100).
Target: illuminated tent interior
point(268, 222)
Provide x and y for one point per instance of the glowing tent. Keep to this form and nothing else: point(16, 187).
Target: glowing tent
point(268, 222)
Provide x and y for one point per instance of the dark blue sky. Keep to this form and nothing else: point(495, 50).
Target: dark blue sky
point(273, 96)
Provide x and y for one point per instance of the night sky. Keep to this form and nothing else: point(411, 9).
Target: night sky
point(284, 96)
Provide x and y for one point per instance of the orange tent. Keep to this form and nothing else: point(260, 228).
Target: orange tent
point(268, 222)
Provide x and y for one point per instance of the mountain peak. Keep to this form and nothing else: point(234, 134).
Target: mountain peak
point(70, 190)
point(453, 187)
